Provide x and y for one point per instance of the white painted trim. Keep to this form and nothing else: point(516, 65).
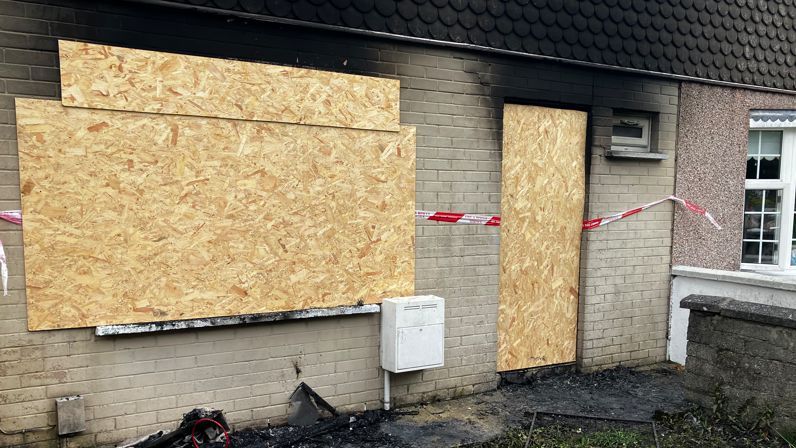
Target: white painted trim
point(641, 144)
point(759, 124)
point(786, 183)
point(782, 282)
point(245, 319)
point(788, 172)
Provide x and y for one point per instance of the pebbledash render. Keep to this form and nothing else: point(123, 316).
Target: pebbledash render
point(634, 67)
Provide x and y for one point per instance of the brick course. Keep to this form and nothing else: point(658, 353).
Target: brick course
point(135, 384)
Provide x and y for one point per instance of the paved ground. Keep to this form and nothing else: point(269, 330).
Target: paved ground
point(616, 393)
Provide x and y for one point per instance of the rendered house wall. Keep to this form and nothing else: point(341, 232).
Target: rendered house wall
point(711, 169)
point(137, 384)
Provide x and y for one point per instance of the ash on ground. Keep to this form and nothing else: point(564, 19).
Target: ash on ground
point(617, 393)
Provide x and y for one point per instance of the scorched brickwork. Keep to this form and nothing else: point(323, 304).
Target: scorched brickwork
point(134, 385)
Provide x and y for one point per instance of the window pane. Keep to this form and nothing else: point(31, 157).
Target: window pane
point(761, 226)
point(771, 227)
point(752, 226)
point(769, 167)
point(771, 142)
point(628, 131)
point(754, 201)
point(773, 199)
point(769, 254)
point(750, 252)
point(754, 143)
point(751, 167)
point(764, 152)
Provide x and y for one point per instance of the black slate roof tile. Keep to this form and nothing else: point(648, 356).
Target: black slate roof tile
point(364, 6)
point(467, 18)
point(521, 28)
point(458, 4)
point(252, 6)
point(278, 8)
point(384, 7)
point(377, 22)
point(504, 24)
point(742, 41)
point(495, 39)
point(513, 42)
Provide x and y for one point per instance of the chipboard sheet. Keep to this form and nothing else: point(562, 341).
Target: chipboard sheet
point(117, 78)
point(543, 191)
point(140, 217)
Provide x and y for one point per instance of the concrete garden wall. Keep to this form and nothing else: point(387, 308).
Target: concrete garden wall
point(744, 286)
point(747, 351)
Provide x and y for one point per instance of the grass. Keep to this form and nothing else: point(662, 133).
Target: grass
point(693, 428)
point(514, 438)
point(565, 436)
point(790, 438)
point(612, 439)
point(697, 427)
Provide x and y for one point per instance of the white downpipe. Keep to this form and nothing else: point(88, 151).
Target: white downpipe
point(386, 390)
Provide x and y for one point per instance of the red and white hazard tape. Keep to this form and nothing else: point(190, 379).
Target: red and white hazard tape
point(4, 269)
point(463, 218)
point(491, 220)
point(597, 222)
point(14, 216)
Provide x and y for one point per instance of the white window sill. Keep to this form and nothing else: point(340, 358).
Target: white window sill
point(775, 279)
point(638, 155)
point(773, 272)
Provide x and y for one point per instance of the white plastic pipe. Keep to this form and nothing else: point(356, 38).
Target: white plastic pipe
point(386, 390)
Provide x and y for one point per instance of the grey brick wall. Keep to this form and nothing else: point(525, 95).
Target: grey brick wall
point(134, 385)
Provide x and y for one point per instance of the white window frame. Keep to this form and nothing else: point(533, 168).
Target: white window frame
point(628, 143)
point(787, 184)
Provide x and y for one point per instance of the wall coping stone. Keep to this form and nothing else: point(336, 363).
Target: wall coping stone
point(773, 281)
point(736, 309)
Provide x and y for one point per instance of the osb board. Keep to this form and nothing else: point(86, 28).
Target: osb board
point(133, 217)
point(105, 77)
point(541, 214)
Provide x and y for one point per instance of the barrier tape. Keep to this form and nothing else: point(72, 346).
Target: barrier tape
point(598, 222)
point(14, 216)
point(589, 224)
point(463, 218)
point(4, 269)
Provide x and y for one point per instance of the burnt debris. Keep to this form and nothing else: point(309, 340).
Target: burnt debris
point(207, 426)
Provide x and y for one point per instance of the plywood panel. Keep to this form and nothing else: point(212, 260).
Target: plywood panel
point(134, 217)
point(105, 77)
point(541, 213)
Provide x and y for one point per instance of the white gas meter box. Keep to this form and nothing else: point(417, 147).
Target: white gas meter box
point(412, 333)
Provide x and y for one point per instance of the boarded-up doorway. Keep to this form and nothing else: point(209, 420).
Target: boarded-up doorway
point(541, 216)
